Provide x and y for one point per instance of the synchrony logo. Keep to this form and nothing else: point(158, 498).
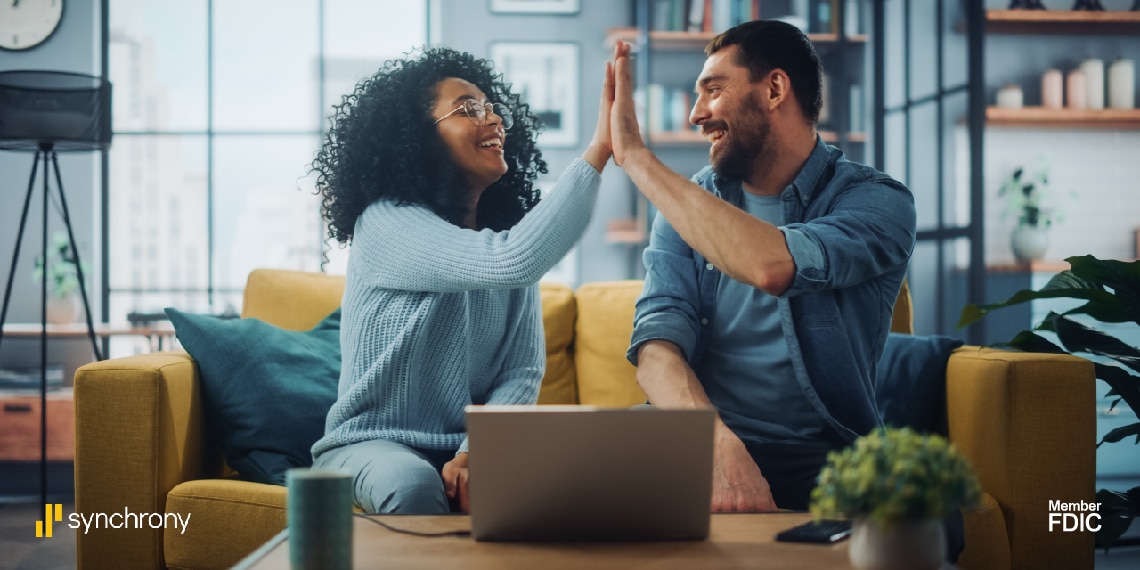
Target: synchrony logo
point(43, 528)
point(53, 513)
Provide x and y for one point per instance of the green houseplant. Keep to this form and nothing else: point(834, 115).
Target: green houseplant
point(63, 303)
point(897, 486)
point(1028, 196)
point(1110, 291)
point(63, 268)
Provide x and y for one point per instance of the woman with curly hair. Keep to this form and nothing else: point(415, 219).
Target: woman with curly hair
point(428, 170)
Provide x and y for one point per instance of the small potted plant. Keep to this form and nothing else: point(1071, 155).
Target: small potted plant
point(896, 486)
point(1028, 197)
point(63, 303)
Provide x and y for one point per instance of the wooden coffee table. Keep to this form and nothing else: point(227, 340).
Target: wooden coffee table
point(735, 541)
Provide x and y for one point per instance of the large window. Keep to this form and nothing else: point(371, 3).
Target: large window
point(219, 108)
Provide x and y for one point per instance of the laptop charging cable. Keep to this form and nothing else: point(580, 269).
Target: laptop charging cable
point(412, 532)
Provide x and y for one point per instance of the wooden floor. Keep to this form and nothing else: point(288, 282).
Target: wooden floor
point(19, 547)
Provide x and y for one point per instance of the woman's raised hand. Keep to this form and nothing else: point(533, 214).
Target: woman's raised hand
point(600, 149)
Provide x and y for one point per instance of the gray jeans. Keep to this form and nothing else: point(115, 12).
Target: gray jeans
point(391, 478)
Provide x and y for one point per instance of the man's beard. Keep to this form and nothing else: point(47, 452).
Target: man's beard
point(747, 142)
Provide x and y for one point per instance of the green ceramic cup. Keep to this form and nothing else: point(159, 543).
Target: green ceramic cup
point(320, 519)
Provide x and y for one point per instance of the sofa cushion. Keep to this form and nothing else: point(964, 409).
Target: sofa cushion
point(265, 390)
point(228, 520)
point(559, 383)
point(605, 324)
point(987, 542)
point(293, 300)
point(910, 381)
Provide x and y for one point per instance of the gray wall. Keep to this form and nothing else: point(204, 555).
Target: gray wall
point(75, 47)
point(469, 25)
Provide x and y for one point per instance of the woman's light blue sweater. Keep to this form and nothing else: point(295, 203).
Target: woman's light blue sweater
point(436, 317)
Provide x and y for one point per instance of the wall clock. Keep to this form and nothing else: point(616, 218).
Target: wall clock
point(25, 24)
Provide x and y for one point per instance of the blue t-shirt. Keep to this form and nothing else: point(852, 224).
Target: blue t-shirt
point(746, 371)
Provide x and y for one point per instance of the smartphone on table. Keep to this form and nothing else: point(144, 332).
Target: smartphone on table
point(821, 532)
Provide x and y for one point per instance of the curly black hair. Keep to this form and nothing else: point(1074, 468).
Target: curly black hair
point(383, 144)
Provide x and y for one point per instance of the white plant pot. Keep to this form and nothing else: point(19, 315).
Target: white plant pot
point(63, 310)
point(1029, 243)
point(909, 545)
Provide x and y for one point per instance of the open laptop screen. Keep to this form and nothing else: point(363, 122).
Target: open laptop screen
point(582, 473)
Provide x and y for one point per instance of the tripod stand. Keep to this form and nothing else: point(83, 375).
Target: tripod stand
point(46, 112)
point(47, 151)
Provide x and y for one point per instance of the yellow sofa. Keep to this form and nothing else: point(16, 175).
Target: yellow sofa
point(1025, 421)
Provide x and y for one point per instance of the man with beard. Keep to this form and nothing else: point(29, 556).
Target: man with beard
point(770, 275)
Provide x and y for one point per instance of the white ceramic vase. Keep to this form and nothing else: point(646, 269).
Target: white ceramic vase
point(1029, 243)
point(63, 310)
point(909, 545)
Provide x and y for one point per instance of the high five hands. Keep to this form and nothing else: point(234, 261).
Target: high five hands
point(625, 134)
point(617, 133)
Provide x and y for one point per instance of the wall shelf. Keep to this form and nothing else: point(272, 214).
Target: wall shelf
point(1029, 267)
point(1062, 21)
point(626, 231)
point(1071, 118)
point(686, 138)
point(695, 41)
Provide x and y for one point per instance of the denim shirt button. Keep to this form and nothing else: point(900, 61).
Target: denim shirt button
point(709, 266)
point(704, 321)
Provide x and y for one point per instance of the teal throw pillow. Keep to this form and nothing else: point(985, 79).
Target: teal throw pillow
point(910, 382)
point(265, 390)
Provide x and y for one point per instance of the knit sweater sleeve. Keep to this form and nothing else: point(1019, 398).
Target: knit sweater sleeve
point(410, 248)
point(520, 378)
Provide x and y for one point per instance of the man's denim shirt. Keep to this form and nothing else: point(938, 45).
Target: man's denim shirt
point(850, 230)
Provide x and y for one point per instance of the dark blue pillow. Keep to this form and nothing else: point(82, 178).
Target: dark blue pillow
point(265, 390)
point(910, 383)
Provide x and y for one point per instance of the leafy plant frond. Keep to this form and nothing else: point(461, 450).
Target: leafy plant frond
point(1030, 341)
point(1123, 277)
point(1111, 291)
point(1122, 384)
point(1116, 513)
point(1120, 433)
point(1077, 337)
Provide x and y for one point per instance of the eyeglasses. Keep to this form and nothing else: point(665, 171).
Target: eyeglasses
point(477, 113)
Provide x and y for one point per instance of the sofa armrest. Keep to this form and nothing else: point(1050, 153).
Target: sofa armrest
point(139, 432)
point(1027, 423)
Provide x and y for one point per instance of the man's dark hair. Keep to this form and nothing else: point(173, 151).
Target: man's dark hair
point(383, 144)
point(770, 44)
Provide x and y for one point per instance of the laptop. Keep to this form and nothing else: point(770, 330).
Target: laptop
point(554, 473)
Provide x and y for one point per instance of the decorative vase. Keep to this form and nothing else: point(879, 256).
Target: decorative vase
point(909, 545)
point(1029, 243)
point(63, 310)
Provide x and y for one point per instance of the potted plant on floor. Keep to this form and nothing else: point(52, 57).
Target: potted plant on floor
point(896, 486)
point(63, 302)
point(1110, 291)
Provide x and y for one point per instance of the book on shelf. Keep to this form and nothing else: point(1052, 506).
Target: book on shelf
point(665, 109)
point(825, 99)
point(701, 15)
point(852, 18)
point(708, 16)
point(857, 115)
point(27, 378)
point(821, 17)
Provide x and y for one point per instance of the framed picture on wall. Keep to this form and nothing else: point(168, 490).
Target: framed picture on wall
point(545, 75)
point(534, 6)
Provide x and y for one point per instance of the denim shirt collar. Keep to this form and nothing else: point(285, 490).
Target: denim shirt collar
point(811, 178)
